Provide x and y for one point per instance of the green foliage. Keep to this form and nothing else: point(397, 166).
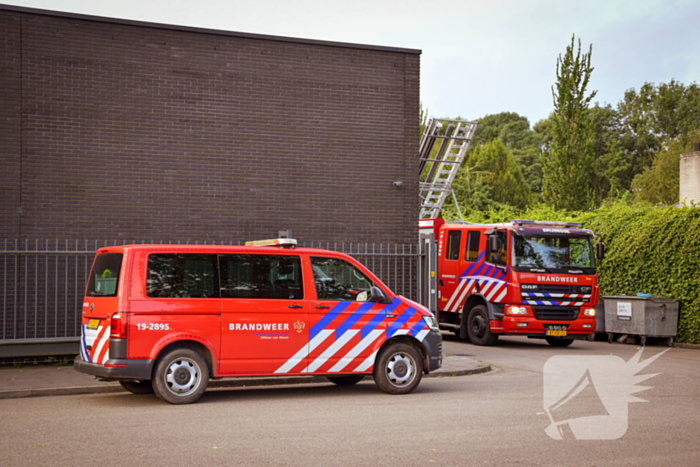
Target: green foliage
point(656, 114)
point(568, 165)
point(491, 178)
point(660, 183)
point(648, 250)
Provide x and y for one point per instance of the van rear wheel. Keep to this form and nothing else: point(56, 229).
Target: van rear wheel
point(137, 387)
point(181, 376)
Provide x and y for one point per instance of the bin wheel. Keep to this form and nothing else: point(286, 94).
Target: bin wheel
point(644, 341)
point(669, 342)
point(610, 338)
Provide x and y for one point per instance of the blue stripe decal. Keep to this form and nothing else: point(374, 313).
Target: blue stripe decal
point(330, 316)
point(378, 318)
point(476, 273)
point(418, 327)
point(473, 265)
point(87, 354)
point(352, 319)
point(400, 321)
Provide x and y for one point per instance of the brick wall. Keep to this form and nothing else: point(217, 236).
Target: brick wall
point(690, 178)
point(136, 132)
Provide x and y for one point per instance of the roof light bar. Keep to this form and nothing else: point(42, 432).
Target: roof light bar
point(548, 223)
point(283, 242)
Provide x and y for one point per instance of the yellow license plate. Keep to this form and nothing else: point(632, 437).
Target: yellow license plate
point(556, 333)
point(93, 324)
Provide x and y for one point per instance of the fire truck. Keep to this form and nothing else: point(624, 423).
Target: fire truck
point(525, 278)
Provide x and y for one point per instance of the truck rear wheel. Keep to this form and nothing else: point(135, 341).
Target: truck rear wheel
point(181, 376)
point(398, 369)
point(137, 387)
point(479, 327)
point(348, 380)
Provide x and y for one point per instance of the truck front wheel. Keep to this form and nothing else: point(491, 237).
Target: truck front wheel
point(479, 327)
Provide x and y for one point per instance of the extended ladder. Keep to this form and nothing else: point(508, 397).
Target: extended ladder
point(437, 173)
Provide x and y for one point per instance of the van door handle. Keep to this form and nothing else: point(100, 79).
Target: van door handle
point(322, 307)
point(295, 306)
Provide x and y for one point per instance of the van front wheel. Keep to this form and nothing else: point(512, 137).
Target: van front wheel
point(398, 369)
point(181, 376)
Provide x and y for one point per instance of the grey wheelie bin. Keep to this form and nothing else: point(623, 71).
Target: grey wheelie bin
point(641, 316)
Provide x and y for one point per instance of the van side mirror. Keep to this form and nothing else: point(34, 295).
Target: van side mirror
point(600, 250)
point(377, 295)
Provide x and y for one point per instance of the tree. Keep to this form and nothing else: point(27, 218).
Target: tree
point(490, 178)
point(568, 165)
point(657, 114)
point(660, 183)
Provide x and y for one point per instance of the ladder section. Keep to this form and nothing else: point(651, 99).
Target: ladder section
point(438, 167)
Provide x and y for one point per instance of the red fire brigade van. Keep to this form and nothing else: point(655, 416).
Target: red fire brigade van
point(526, 278)
point(167, 318)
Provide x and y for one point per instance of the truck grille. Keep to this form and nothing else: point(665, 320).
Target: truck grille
point(551, 288)
point(558, 313)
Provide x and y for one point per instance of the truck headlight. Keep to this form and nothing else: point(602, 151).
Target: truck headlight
point(432, 323)
point(516, 310)
point(589, 312)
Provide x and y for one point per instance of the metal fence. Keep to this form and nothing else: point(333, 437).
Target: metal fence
point(42, 282)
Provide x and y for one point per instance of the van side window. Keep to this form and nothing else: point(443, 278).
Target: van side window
point(473, 239)
point(104, 277)
point(261, 276)
point(182, 276)
point(336, 279)
point(454, 237)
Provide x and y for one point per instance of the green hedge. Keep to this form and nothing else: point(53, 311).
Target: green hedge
point(648, 249)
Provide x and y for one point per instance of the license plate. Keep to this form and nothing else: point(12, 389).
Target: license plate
point(556, 333)
point(93, 324)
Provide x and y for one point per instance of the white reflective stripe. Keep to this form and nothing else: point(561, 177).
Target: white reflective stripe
point(304, 351)
point(455, 294)
point(369, 361)
point(495, 290)
point(357, 350)
point(421, 335)
point(330, 351)
point(503, 294)
point(458, 303)
point(100, 344)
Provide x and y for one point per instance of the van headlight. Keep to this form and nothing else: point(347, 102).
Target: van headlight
point(432, 323)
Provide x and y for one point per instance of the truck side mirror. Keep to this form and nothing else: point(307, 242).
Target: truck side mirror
point(494, 243)
point(377, 295)
point(600, 250)
point(496, 258)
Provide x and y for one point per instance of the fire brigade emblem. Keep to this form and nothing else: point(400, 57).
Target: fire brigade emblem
point(299, 325)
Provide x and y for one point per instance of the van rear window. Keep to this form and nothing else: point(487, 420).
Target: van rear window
point(104, 277)
point(182, 276)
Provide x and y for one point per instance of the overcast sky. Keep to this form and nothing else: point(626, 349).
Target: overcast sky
point(479, 57)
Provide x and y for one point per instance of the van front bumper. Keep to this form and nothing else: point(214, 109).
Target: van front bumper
point(116, 369)
point(433, 350)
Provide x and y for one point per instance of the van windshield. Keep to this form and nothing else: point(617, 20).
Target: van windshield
point(104, 277)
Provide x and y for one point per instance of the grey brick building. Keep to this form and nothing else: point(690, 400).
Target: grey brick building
point(113, 129)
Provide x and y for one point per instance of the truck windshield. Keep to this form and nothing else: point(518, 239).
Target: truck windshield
point(553, 253)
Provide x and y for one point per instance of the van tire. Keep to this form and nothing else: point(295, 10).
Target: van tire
point(348, 380)
point(398, 369)
point(138, 387)
point(181, 376)
point(479, 327)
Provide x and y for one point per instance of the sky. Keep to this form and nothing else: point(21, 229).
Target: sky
point(478, 57)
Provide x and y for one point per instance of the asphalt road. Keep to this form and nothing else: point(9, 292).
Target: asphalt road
point(491, 419)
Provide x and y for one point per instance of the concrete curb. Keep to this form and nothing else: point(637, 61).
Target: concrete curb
point(684, 345)
point(217, 384)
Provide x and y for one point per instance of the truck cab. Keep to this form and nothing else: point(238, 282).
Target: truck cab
point(526, 278)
